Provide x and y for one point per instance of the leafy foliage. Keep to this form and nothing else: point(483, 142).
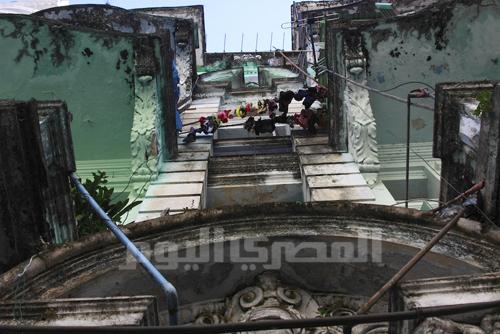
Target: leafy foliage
point(88, 221)
point(484, 106)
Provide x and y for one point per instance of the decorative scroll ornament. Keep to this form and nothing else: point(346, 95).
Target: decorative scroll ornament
point(361, 124)
point(268, 299)
point(143, 137)
point(441, 326)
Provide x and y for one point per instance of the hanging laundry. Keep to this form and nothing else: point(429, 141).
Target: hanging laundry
point(191, 137)
point(240, 112)
point(283, 119)
point(284, 100)
point(271, 105)
point(259, 126)
point(264, 126)
point(249, 124)
point(307, 119)
point(310, 95)
point(222, 116)
point(261, 107)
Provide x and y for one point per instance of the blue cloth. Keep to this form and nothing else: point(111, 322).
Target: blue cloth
point(175, 77)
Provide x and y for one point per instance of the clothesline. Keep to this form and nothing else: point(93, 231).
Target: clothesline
point(306, 119)
point(377, 91)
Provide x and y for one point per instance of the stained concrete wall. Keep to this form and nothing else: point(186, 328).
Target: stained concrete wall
point(93, 72)
point(97, 266)
point(179, 32)
point(194, 13)
point(453, 41)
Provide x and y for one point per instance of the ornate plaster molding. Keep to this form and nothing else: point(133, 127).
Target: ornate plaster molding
point(361, 124)
point(144, 137)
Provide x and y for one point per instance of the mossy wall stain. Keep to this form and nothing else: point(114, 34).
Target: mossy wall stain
point(451, 42)
point(51, 61)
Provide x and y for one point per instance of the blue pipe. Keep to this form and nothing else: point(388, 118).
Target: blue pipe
point(167, 287)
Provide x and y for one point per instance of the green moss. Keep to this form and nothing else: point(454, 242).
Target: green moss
point(485, 105)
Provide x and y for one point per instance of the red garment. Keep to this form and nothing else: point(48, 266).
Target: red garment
point(222, 116)
point(303, 119)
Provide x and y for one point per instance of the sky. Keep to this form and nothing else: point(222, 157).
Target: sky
point(230, 17)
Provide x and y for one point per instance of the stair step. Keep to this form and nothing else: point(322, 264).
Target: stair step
point(342, 194)
point(180, 177)
point(252, 146)
point(281, 177)
point(331, 169)
point(192, 156)
point(336, 181)
point(318, 159)
point(253, 164)
point(306, 141)
point(194, 147)
point(172, 190)
point(315, 149)
point(160, 204)
point(184, 166)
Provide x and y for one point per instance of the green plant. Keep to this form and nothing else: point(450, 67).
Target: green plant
point(484, 106)
point(88, 222)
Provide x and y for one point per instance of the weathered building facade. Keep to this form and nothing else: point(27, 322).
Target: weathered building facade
point(284, 220)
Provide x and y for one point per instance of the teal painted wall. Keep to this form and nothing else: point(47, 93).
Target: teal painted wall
point(93, 72)
point(460, 44)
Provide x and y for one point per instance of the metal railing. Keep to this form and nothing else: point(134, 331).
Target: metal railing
point(166, 286)
point(266, 325)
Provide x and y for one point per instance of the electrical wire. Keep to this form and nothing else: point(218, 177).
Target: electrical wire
point(377, 91)
point(408, 83)
point(324, 68)
point(481, 212)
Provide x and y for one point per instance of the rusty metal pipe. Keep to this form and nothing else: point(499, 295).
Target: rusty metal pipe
point(411, 264)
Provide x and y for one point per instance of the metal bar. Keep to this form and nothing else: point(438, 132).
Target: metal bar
point(167, 287)
point(224, 43)
point(299, 69)
point(395, 98)
point(242, 35)
point(409, 266)
point(256, 42)
point(407, 189)
point(271, 43)
point(418, 313)
point(475, 188)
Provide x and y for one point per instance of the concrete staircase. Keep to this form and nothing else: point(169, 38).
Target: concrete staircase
point(248, 169)
point(254, 171)
point(182, 182)
point(327, 175)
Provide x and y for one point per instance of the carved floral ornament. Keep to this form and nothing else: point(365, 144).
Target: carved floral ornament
point(269, 299)
point(361, 123)
point(489, 325)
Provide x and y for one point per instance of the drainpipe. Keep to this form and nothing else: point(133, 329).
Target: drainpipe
point(420, 93)
point(166, 286)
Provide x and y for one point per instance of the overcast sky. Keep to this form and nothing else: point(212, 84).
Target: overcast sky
point(230, 17)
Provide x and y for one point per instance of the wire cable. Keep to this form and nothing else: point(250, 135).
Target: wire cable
point(481, 212)
point(408, 83)
point(377, 91)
